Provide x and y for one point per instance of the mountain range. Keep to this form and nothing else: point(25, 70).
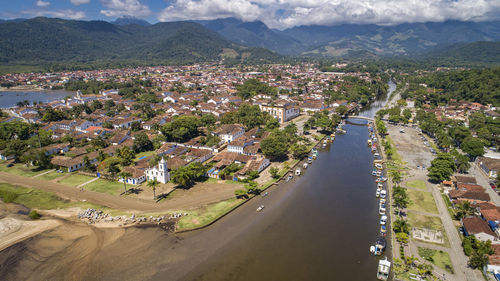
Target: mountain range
point(48, 40)
point(43, 41)
point(345, 40)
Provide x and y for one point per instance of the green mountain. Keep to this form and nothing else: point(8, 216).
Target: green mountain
point(477, 52)
point(48, 40)
point(126, 20)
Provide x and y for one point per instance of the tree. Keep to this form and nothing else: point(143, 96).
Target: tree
point(275, 145)
point(442, 167)
point(252, 174)
point(402, 238)
point(396, 176)
point(142, 143)
point(478, 260)
point(181, 176)
point(37, 158)
point(462, 162)
point(401, 225)
point(274, 172)
point(341, 110)
point(474, 147)
point(240, 193)
point(124, 176)
point(463, 210)
point(113, 169)
point(16, 148)
point(400, 197)
point(153, 184)
point(325, 123)
point(272, 124)
point(181, 129)
point(299, 151)
point(126, 155)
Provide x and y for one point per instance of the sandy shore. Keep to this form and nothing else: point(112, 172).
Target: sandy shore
point(13, 230)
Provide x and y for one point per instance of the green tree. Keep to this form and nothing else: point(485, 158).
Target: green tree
point(181, 129)
point(299, 151)
point(274, 172)
point(478, 260)
point(124, 176)
point(126, 155)
point(474, 147)
point(463, 210)
point(341, 110)
point(275, 145)
point(142, 143)
point(181, 176)
point(153, 184)
point(240, 193)
point(401, 225)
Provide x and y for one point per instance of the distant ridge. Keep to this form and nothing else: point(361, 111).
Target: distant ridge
point(467, 53)
point(126, 20)
point(50, 40)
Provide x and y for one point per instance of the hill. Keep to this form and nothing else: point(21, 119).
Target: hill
point(130, 20)
point(466, 54)
point(47, 40)
point(254, 34)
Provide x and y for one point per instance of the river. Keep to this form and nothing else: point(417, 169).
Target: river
point(319, 226)
point(11, 98)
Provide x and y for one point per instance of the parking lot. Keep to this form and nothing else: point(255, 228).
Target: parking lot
point(411, 146)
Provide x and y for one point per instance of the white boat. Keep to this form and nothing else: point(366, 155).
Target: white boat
point(383, 193)
point(305, 166)
point(289, 178)
point(309, 160)
point(380, 185)
point(377, 194)
point(379, 166)
point(297, 172)
point(383, 220)
point(381, 210)
point(369, 142)
point(384, 269)
point(379, 246)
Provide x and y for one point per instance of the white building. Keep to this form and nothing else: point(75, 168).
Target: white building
point(283, 111)
point(229, 132)
point(159, 173)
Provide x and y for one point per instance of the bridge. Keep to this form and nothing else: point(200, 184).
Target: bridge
point(361, 117)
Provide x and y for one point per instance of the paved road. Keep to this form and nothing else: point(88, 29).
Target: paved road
point(122, 202)
point(483, 180)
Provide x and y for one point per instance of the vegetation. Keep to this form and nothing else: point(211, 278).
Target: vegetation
point(185, 176)
point(439, 258)
point(253, 87)
point(477, 251)
point(34, 215)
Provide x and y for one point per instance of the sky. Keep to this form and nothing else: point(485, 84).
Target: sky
point(275, 13)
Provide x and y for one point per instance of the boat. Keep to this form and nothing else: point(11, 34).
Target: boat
point(289, 178)
point(297, 172)
point(260, 208)
point(383, 220)
point(305, 166)
point(384, 268)
point(381, 179)
point(380, 185)
point(383, 193)
point(370, 142)
point(377, 194)
point(374, 172)
point(379, 166)
point(379, 246)
point(323, 145)
point(381, 209)
point(383, 230)
point(309, 160)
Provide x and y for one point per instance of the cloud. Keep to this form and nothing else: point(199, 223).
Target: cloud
point(41, 3)
point(117, 8)
point(65, 14)
point(288, 13)
point(79, 2)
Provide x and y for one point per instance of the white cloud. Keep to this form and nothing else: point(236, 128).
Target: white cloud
point(117, 8)
point(64, 14)
point(41, 3)
point(287, 13)
point(79, 2)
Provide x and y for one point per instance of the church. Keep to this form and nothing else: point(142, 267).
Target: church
point(160, 172)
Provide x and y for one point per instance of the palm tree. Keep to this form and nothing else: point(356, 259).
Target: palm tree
point(153, 184)
point(124, 175)
point(464, 210)
point(181, 176)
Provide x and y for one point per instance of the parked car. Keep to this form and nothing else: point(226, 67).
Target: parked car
point(261, 207)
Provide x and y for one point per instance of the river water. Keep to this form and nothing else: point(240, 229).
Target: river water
point(11, 98)
point(319, 226)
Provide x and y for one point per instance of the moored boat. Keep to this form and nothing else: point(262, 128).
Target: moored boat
point(379, 247)
point(384, 269)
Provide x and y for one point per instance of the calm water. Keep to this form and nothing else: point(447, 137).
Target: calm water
point(11, 98)
point(321, 231)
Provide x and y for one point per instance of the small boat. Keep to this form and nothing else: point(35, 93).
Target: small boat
point(376, 154)
point(383, 220)
point(377, 194)
point(374, 172)
point(382, 201)
point(323, 145)
point(380, 185)
point(289, 178)
point(383, 230)
point(379, 166)
point(297, 172)
point(381, 209)
point(260, 208)
point(369, 142)
point(305, 166)
point(383, 193)
point(379, 247)
point(381, 179)
point(384, 268)
point(309, 160)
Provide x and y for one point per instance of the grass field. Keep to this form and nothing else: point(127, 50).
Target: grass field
point(20, 170)
point(422, 201)
point(429, 222)
point(145, 153)
point(204, 216)
point(105, 186)
point(50, 176)
point(75, 180)
point(439, 258)
point(35, 198)
point(418, 184)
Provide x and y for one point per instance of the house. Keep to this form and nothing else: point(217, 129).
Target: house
point(160, 173)
point(471, 196)
point(283, 111)
point(480, 229)
point(490, 166)
point(83, 125)
point(70, 164)
point(137, 176)
point(494, 261)
point(56, 148)
point(229, 132)
point(239, 145)
point(119, 138)
point(258, 165)
point(464, 179)
point(4, 156)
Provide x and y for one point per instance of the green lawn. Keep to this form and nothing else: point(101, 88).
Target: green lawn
point(421, 221)
point(439, 258)
point(51, 176)
point(105, 186)
point(39, 199)
point(422, 201)
point(204, 216)
point(145, 153)
point(21, 170)
point(418, 184)
point(75, 180)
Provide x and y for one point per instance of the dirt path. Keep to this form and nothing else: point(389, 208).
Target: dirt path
point(216, 193)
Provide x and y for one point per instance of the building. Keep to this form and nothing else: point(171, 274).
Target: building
point(137, 176)
point(229, 132)
point(283, 111)
point(490, 166)
point(159, 173)
point(480, 229)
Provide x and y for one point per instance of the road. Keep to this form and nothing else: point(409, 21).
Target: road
point(483, 180)
point(196, 199)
